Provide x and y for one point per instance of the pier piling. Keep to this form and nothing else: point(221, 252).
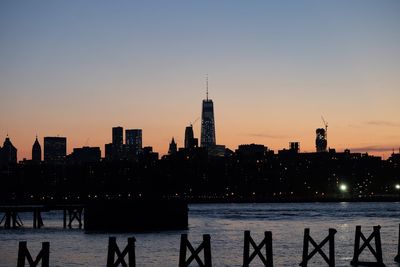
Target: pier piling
point(186, 245)
point(377, 252)
point(113, 250)
point(24, 254)
point(72, 214)
point(11, 219)
point(318, 248)
point(267, 242)
point(37, 219)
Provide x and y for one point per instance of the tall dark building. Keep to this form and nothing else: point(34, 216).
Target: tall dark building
point(36, 152)
point(8, 153)
point(133, 138)
point(117, 135)
point(321, 141)
point(173, 148)
point(190, 141)
point(207, 124)
point(55, 149)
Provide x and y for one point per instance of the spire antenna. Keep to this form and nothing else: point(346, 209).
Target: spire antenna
point(207, 86)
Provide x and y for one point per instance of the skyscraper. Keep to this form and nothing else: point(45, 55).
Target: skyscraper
point(133, 138)
point(207, 123)
point(173, 148)
point(190, 141)
point(55, 149)
point(117, 136)
point(8, 154)
point(36, 152)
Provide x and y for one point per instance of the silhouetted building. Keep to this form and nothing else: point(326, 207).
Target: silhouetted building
point(172, 147)
point(294, 146)
point(36, 152)
point(207, 124)
point(117, 135)
point(133, 138)
point(321, 141)
point(252, 151)
point(190, 141)
point(85, 155)
point(55, 149)
point(8, 153)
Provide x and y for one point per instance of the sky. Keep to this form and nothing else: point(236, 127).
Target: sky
point(78, 68)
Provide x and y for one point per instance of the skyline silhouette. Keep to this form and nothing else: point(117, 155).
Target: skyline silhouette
point(78, 69)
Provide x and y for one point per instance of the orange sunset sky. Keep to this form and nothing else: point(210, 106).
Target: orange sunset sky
point(78, 68)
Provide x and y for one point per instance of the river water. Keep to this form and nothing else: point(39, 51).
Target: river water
point(226, 224)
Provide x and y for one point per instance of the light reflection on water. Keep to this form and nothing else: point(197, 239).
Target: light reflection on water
point(225, 223)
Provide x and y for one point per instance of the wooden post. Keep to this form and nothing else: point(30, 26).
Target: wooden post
point(267, 242)
point(318, 248)
point(43, 256)
point(113, 250)
point(186, 245)
point(11, 219)
point(37, 219)
point(73, 214)
point(397, 258)
point(377, 252)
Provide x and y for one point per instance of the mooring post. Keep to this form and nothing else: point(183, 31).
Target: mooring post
point(207, 250)
point(24, 254)
point(305, 247)
point(246, 249)
point(113, 250)
point(182, 250)
point(267, 242)
point(397, 258)
point(377, 252)
point(318, 248)
point(186, 245)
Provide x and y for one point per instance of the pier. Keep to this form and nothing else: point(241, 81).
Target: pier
point(137, 215)
point(10, 218)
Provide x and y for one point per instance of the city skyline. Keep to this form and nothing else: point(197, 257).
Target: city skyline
point(78, 69)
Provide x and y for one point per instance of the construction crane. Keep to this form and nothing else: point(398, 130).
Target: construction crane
point(191, 124)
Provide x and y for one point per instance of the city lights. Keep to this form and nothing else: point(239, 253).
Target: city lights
point(343, 187)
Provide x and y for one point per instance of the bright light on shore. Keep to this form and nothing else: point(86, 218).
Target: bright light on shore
point(343, 187)
point(397, 186)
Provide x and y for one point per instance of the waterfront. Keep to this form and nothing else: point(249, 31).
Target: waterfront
point(225, 223)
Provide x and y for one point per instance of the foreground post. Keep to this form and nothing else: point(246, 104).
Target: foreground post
point(113, 250)
point(23, 253)
point(397, 258)
point(377, 252)
point(267, 242)
point(205, 245)
point(318, 248)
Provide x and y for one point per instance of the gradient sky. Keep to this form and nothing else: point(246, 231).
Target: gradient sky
point(78, 68)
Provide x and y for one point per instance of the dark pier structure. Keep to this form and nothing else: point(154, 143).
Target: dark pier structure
point(135, 215)
point(10, 218)
point(139, 215)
